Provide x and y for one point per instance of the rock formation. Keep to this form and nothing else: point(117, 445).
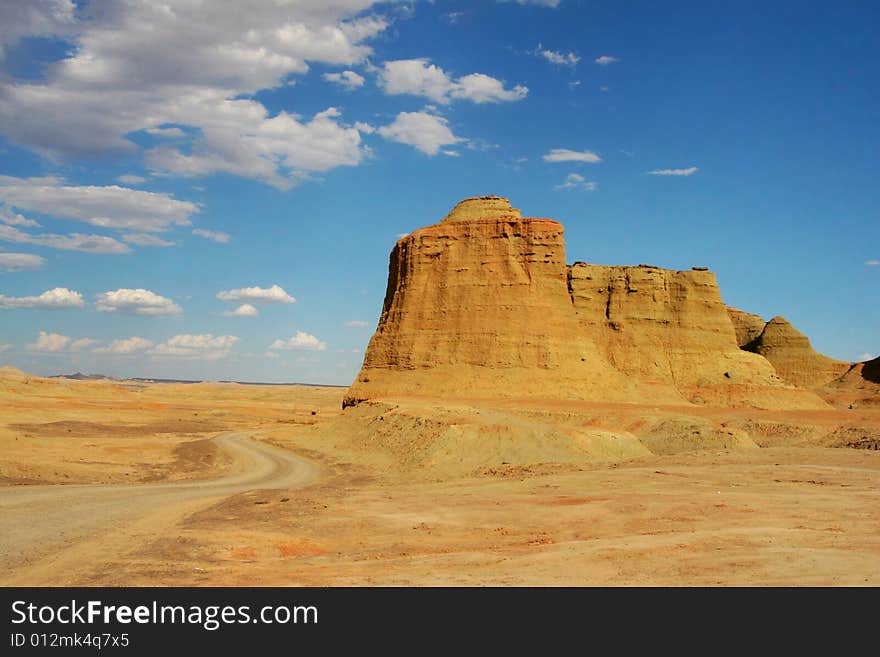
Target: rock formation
point(663, 325)
point(793, 356)
point(478, 304)
point(746, 325)
point(482, 304)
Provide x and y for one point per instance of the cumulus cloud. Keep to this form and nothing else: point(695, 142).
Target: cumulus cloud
point(567, 155)
point(552, 4)
point(50, 343)
point(19, 18)
point(168, 133)
point(194, 67)
point(82, 343)
point(20, 261)
point(244, 310)
point(419, 77)
point(356, 323)
point(72, 242)
point(142, 239)
point(201, 347)
point(53, 343)
point(557, 57)
point(574, 181)
point(674, 172)
point(109, 206)
point(131, 345)
point(605, 60)
point(426, 132)
point(346, 79)
point(862, 358)
point(212, 235)
point(259, 295)
point(54, 299)
point(135, 302)
point(129, 179)
point(302, 341)
point(14, 219)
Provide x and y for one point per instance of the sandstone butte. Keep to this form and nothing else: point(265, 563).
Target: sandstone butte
point(482, 305)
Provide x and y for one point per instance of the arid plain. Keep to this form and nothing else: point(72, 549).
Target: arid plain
point(516, 421)
point(399, 510)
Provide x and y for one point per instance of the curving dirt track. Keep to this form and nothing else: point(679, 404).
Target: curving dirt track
point(48, 533)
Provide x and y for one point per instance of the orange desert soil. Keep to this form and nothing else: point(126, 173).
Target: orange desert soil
point(778, 511)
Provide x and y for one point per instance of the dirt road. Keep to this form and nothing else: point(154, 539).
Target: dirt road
point(49, 533)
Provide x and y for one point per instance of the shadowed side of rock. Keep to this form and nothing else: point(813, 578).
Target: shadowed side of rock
point(793, 356)
point(672, 327)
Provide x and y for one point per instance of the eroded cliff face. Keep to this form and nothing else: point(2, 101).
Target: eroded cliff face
point(482, 304)
point(663, 325)
point(478, 304)
point(747, 326)
point(793, 356)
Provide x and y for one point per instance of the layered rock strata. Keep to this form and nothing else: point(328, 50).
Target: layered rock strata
point(793, 356)
point(482, 304)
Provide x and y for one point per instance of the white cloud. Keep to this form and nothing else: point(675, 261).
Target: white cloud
point(20, 261)
point(131, 345)
point(567, 155)
point(244, 310)
point(552, 4)
point(34, 18)
point(142, 239)
point(202, 347)
point(605, 60)
point(420, 77)
point(135, 302)
point(301, 340)
point(873, 263)
point(356, 323)
point(5, 347)
point(347, 79)
point(557, 57)
point(674, 172)
point(212, 235)
point(865, 357)
point(110, 206)
point(139, 66)
point(426, 132)
point(259, 295)
point(71, 242)
point(53, 343)
point(56, 298)
point(129, 179)
point(574, 181)
point(242, 140)
point(82, 343)
point(167, 133)
point(50, 343)
point(12, 219)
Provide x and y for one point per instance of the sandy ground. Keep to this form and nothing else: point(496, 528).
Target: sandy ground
point(445, 495)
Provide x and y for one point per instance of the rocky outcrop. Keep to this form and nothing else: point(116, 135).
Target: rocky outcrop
point(482, 304)
point(663, 325)
point(793, 357)
point(478, 304)
point(747, 326)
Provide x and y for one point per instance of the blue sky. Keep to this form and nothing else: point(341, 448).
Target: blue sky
point(163, 166)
